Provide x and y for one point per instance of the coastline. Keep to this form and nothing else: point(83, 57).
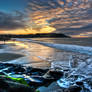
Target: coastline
point(54, 87)
point(9, 56)
point(78, 58)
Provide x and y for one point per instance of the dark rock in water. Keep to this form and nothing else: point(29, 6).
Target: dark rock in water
point(73, 89)
point(53, 74)
point(9, 86)
point(36, 71)
point(21, 89)
point(48, 77)
point(1, 73)
point(21, 77)
point(13, 68)
point(39, 81)
point(2, 66)
point(80, 83)
point(36, 81)
point(8, 64)
point(56, 74)
point(3, 84)
point(89, 81)
point(19, 68)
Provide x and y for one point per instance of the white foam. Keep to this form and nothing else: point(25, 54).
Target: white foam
point(83, 69)
point(65, 47)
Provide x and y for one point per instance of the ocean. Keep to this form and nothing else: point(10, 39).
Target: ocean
point(42, 52)
point(73, 54)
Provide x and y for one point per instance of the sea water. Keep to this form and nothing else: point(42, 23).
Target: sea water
point(73, 55)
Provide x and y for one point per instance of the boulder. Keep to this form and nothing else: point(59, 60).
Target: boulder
point(73, 88)
point(10, 86)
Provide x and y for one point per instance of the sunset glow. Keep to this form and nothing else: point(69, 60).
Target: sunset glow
point(83, 35)
point(18, 43)
point(79, 36)
point(24, 17)
point(45, 29)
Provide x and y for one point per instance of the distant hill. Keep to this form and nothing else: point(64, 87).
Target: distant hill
point(44, 35)
point(51, 35)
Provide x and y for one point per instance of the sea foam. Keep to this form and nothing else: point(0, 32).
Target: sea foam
point(65, 47)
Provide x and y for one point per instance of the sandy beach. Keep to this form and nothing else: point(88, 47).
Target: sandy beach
point(5, 56)
point(9, 56)
point(45, 58)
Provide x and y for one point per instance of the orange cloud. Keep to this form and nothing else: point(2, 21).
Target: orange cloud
point(2, 32)
point(82, 35)
point(46, 29)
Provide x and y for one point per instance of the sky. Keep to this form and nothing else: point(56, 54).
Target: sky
point(71, 17)
point(11, 5)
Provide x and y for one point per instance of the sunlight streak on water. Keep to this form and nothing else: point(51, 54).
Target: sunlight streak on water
point(74, 69)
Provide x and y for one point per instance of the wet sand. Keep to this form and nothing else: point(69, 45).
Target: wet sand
point(9, 56)
point(56, 59)
point(1, 46)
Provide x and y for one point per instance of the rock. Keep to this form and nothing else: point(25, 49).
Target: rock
point(3, 84)
point(1, 73)
point(26, 76)
point(73, 89)
point(80, 83)
point(19, 68)
point(35, 81)
point(2, 66)
point(36, 71)
point(53, 74)
point(8, 64)
point(56, 74)
point(10, 86)
point(39, 80)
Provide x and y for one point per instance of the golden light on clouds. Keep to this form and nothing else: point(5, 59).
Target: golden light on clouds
point(17, 31)
point(39, 24)
point(78, 36)
point(45, 29)
point(82, 35)
point(2, 32)
point(34, 26)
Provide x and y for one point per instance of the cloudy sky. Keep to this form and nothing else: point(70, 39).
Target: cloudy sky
point(71, 17)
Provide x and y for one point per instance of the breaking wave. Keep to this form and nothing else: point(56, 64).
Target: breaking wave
point(81, 73)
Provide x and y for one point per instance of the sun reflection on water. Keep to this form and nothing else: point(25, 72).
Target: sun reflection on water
point(17, 43)
point(35, 55)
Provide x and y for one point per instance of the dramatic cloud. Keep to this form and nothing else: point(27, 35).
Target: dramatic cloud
point(10, 22)
point(66, 16)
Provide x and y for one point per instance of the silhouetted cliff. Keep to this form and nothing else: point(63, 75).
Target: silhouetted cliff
point(44, 35)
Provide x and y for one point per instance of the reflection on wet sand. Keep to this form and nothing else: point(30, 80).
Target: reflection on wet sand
point(34, 54)
point(9, 56)
point(39, 55)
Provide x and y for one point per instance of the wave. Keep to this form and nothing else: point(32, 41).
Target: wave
point(65, 47)
point(81, 73)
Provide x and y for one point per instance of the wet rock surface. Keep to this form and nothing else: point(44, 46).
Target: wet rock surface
point(10, 86)
point(73, 89)
point(16, 78)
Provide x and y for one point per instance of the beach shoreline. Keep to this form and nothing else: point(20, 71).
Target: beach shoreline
point(62, 58)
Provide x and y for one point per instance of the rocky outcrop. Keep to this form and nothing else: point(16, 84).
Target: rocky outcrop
point(16, 78)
